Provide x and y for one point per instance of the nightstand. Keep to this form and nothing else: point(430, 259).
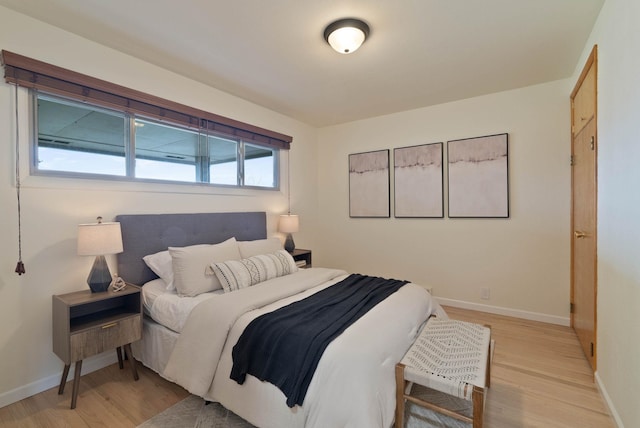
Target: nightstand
point(300, 255)
point(86, 324)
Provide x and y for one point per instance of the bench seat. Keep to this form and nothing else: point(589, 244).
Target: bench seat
point(451, 357)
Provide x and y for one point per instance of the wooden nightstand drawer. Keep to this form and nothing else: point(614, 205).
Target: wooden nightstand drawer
point(105, 337)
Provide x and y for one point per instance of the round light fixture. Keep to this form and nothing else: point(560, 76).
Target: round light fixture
point(346, 35)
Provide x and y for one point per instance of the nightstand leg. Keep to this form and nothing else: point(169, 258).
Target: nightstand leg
point(119, 352)
point(132, 361)
point(76, 384)
point(63, 381)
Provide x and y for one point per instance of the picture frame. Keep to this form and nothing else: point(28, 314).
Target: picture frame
point(369, 184)
point(419, 181)
point(478, 177)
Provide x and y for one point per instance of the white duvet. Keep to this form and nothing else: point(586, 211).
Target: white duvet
point(169, 309)
point(353, 385)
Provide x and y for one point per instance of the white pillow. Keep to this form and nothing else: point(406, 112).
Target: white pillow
point(190, 265)
point(160, 263)
point(237, 274)
point(259, 246)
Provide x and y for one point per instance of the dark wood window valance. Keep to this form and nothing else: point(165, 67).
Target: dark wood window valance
point(31, 73)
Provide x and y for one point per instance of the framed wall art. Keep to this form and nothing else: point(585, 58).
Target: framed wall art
point(479, 177)
point(369, 184)
point(418, 180)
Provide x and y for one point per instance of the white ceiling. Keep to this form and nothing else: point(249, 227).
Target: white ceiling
point(272, 52)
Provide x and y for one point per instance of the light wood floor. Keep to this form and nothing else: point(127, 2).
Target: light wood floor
point(540, 378)
point(108, 398)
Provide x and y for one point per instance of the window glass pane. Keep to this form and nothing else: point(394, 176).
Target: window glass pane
point(223, 161)
point(75, 137)
point(259, 166)
point(166, 152)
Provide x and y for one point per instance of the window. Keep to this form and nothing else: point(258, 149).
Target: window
point(89, 127)
point(165, 152)
point(79, 138)
point(259, 166)
point(75, 138)
point(223, 161)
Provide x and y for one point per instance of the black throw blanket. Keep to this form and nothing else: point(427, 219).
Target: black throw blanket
point(284, 347)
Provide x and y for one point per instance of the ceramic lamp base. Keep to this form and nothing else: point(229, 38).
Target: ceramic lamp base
point(289, 245)
point(99, 278)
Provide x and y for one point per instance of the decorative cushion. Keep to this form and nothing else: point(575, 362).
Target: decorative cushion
point(259, 246)
point(190, 266)
point(237, 274)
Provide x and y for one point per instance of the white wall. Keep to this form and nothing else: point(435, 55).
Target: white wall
point(616, 34)
point(524, 260)
point(52, 208)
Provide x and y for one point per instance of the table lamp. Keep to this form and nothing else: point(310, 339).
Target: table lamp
point(99, 239)
point(289, 224)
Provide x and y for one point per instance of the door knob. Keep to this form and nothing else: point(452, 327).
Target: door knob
point(579, 234)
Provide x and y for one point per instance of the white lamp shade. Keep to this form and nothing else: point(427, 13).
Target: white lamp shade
point(346, 40)
point(289, 223)
point(98, 239)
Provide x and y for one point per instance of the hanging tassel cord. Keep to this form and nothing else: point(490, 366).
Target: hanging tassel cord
point(20, 266)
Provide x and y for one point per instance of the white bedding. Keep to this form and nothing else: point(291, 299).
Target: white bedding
point(150, 292)
point(166, 307)
point(353, 385)
point(156, 345)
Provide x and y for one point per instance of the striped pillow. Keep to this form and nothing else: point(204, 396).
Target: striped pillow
point(237, 274)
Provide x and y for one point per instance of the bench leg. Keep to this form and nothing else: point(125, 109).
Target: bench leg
point(488, 377)
point(478, 406)
point(399, 396)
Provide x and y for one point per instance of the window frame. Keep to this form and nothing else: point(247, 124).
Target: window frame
point(129, 120)
point(67, 84)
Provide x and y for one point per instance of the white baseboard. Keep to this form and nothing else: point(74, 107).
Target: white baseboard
point(608, 402)
point(533, 316)
point(89, 365)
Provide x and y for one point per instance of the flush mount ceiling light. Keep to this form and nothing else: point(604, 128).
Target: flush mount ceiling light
point(346, 35)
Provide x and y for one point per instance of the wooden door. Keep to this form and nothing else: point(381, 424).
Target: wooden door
point(584, 145)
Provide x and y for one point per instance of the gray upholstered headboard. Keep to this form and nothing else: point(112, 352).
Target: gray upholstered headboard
point(144, 234)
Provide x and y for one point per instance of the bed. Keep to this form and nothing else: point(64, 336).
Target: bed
point(189, 339)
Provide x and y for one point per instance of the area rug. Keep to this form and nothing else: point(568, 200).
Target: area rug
point(192, 412)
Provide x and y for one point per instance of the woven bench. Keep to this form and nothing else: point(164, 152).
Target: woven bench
point(451, 357)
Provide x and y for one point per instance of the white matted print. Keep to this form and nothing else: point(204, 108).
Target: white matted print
point(369, 184)
point(479, 177)
point(418, 180)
